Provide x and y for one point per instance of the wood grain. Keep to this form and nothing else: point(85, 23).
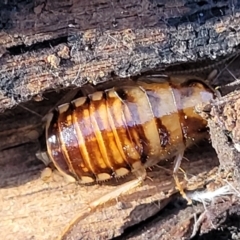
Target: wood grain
point(34, 209)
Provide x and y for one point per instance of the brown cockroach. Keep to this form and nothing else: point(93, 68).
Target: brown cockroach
point(109, 133)
point(124, 129)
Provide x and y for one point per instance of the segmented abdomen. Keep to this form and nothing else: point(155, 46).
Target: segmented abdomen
point(108, 134)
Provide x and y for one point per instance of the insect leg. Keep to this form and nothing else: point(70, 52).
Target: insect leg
point(141, 175)
point(179, 187)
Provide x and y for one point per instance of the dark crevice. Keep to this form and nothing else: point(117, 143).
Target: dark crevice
point(20, 49)
point(232, 30)
point(228, 135)
point(202, 3)
point(197, 4)
point(13, 146)
point(158, 4)
point(228, 230)
point(173, 207)
point(34, 163)
point(200, 16)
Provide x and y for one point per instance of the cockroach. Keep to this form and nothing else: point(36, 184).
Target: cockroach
point(110, 133)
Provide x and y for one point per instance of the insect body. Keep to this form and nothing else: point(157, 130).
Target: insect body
point(125, 129)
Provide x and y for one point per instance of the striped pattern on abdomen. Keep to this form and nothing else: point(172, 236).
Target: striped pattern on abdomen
point(113, 132)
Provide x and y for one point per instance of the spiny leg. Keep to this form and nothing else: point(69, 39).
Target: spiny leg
point(177, 163)
point(140, 174)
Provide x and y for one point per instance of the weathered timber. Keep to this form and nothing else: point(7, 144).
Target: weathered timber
point(224, 123)
point(34, 209)
point(177, 221)
point(52, 44)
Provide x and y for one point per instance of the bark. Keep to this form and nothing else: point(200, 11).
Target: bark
point(224, 125)
point(52, 44)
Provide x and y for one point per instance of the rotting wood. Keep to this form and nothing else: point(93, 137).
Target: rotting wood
point(224, 123)
point(177, 222)
point(27, 200)
point(52, 44)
